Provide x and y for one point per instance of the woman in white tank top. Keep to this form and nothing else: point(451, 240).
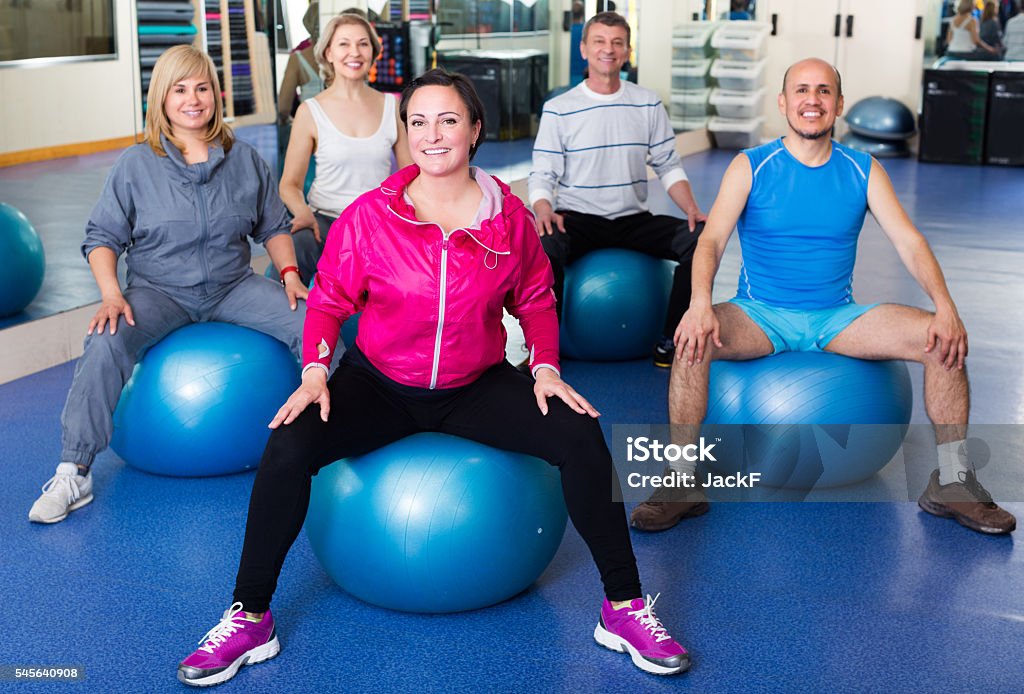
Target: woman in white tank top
point(350, 128)
point(963, 36)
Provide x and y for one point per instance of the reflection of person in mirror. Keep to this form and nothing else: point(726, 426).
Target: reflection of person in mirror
point(182, 207)
point(301, 76)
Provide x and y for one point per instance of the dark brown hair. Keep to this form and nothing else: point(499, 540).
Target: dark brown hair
point(463, 86)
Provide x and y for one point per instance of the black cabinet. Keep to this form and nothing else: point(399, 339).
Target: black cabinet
point(507, 83)
point(1004, 133)
point(953, 116)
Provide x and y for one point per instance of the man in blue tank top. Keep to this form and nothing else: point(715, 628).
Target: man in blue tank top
point(799, 203)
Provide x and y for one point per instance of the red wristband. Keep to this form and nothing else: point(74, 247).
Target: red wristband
point(286, 270)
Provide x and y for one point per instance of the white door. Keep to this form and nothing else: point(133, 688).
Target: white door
point(881, 50)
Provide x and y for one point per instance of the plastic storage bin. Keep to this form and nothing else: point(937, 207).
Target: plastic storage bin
point(690, 41)
point(690, 75)
point(689, 104)
point(736, 134)
point(695, 123)
point(737, 104)
point(738, 76)
point(742, 40)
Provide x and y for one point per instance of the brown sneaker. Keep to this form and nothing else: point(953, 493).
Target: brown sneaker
point(968, 502)
point(667, 506)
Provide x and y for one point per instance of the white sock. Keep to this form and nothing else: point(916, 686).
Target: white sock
point(952, 462)
point(684, 467)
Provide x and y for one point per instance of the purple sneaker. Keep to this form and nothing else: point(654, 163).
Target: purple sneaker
point(234, 642)
point(636, 630)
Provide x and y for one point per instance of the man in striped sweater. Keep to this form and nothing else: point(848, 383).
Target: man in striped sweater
point(592, 148)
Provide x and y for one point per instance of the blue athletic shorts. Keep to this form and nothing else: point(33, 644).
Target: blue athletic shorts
point(800, 330)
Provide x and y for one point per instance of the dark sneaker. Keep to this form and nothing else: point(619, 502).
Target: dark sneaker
point(637, 631)
point(968, 502)
point(667, 506)
point(234, 642)
point(664, 351)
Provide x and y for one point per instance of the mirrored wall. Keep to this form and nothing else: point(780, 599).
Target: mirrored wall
point(36, 30)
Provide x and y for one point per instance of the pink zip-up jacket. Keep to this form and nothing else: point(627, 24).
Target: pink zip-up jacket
point(432, 304)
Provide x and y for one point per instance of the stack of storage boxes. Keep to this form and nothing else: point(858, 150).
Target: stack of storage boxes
point(691, 60)
point(739, 72)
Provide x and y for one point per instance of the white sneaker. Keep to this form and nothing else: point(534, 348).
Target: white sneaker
point(64, 492)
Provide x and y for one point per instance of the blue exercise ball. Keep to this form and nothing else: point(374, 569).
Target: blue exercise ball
point(615, 302)
point(882, 118)
point(881, 149)
point(199, 401)
point(807, 419)
point(435, 523)
point(24, 261)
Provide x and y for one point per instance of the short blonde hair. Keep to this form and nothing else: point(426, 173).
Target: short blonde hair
point(965, 6)
point(327, 35)
point(174, 65)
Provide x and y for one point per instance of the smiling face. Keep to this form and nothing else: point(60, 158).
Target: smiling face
point(189, 106)
point(810, 99)
point(440, 130)
point(350, 52)
point(606, 49)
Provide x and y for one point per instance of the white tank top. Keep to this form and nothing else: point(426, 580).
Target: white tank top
point(962, 42)
point(347, 167)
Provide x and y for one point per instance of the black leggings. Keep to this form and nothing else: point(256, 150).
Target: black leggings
point(368, 411)
point(654, 234)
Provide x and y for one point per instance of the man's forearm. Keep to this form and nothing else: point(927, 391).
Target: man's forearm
point(705, 267)
point(682, 195)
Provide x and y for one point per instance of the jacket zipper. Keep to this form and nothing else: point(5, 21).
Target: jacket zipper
point(440, 311)
point(435, 367)
point(204, 232)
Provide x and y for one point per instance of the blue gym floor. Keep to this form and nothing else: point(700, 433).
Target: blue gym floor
point(820, 597)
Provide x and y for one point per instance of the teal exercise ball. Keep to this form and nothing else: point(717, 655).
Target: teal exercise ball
point(435, 523)
point(614, 305)
point(24, 261)
point(807, 420)
point(199, 401)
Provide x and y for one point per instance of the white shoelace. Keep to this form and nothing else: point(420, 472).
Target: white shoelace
point(225, 628)
point(645, 615)
point(69, 487)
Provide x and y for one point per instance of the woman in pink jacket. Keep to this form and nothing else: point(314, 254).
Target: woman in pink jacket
point(428, 291)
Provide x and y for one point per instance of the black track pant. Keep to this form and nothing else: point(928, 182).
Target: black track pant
point(659, 235)
point(368, 410)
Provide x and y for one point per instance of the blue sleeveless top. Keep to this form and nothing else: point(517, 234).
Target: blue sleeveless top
point(798, 232)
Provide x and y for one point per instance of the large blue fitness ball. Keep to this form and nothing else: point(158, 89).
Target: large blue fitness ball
point(434, 523)
point(882, 118)
point(199, 401)
point(24, 261)
point(615, 302)
point(807, 419)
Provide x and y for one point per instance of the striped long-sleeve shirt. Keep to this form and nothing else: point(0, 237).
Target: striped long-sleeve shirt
point(592, 150)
